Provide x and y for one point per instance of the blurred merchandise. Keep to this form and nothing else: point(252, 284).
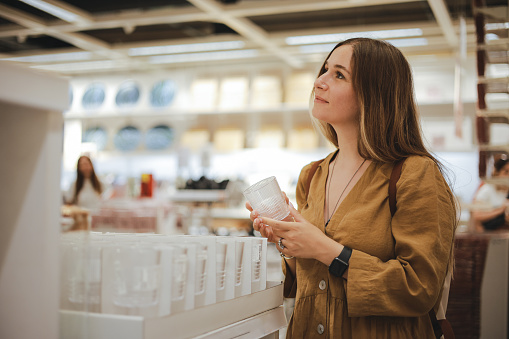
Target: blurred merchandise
point(74, 218)
point(147, 185)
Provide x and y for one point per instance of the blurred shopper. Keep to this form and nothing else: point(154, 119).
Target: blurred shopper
point(493, 200)
point(86, 191)
point(356, 270)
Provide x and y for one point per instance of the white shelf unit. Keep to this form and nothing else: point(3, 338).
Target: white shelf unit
point(257, 315)
point(31, 122)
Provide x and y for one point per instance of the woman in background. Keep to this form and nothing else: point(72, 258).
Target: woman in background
point(496, 197)
point(356, 270)
point(87, 189)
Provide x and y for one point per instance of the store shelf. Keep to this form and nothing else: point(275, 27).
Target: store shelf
point(498, 13)
point(199, 195)
point(252, 316)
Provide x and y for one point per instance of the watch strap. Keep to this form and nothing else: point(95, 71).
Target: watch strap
point(340, 264)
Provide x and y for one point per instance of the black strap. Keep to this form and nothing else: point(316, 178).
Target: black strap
point(396, 173)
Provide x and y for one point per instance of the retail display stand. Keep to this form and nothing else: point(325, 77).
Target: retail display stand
point(257, 315)
point(491, 21)
point(31, 122)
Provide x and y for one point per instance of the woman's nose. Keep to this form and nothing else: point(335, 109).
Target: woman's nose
point(320, 83)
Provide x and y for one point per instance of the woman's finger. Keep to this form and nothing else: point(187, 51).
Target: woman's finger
point(286, 197)
point(276, 225)
point(295, 214)
point(253, 215)
point(248, 206)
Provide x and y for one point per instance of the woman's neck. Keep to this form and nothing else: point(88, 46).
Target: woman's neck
point(347, 143)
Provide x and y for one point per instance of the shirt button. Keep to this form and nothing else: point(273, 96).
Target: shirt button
point(320, 329)
point(322, 285)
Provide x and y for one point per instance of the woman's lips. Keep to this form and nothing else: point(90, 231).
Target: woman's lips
point(320, 100)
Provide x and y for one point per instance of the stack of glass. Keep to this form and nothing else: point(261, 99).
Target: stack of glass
point(157, 275)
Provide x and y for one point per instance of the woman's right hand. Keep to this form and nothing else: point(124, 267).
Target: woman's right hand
point(265, 230)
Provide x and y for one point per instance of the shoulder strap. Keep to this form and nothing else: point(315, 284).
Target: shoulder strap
point(437, 325)
point(396, 173)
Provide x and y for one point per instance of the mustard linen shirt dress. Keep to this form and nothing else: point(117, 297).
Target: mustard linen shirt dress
point(398, 264)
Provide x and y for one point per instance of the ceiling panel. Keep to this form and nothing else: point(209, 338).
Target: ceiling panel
point(110, 29)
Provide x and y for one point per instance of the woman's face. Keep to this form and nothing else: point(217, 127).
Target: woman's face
point(85, 167)
point(335, 101)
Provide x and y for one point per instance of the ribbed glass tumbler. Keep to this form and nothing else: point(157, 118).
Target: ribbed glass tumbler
point(267, 199)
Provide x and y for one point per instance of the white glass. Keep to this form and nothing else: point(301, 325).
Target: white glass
point(83, 273)
point(137, 276)
point(267, 199)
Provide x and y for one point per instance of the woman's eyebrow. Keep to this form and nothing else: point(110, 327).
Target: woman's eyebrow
point(342, 68)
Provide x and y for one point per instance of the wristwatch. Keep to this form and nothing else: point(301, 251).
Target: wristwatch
point(339, 265)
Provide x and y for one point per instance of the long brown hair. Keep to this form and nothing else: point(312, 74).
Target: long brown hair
point(80, 180)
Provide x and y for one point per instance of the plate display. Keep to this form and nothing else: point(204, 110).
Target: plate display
point(159, 137)
point(97, 135)
point(163, 93)
point(94, 96)
point(127, 138)
point(128, 94)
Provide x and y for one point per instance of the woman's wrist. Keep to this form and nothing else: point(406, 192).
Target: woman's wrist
point(330, 250)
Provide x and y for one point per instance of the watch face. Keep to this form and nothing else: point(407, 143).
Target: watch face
point(337, 267)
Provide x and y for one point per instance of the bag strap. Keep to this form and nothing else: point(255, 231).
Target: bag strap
point(437, 326)
point(396, 173)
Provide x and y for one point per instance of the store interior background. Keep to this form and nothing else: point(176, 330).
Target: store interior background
point(239, 85)
point(238, 75)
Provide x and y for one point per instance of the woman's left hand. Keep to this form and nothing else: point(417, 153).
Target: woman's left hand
point(300, 238)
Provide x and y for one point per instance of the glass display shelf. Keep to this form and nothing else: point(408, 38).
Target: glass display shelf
point(256, 315)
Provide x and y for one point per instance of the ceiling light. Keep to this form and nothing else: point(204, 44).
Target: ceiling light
point(324, 38)
point(74, 56)
point(408, 42)
point(54, 10)
point(83, 66)
point(173, 49)
point(227, 55)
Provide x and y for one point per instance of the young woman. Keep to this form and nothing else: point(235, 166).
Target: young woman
point(87, 189)
point(497, 198)
point(358, 271)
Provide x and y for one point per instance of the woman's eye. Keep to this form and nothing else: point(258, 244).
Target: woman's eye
point(339, 75)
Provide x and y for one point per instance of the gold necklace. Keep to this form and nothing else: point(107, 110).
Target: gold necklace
point(328, 189)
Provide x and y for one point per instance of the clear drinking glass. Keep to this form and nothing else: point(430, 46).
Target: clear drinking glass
point(137, 276)
point(83, 269)
point(266, 197)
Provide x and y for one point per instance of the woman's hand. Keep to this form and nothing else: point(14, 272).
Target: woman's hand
point(300, 238)
point(265, 230)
